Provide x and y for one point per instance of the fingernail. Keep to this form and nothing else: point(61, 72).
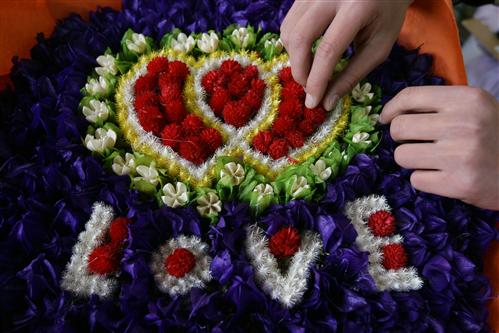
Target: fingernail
point(330, 102)
point(310, 101)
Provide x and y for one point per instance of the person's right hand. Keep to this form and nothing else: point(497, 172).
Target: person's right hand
point(373, 26)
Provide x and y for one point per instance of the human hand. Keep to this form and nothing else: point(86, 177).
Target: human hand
point(373, 26)
point(449, 136)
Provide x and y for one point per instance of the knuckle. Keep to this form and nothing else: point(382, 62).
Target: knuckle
point(476, 95)
point(299, 40)
point(326, 49)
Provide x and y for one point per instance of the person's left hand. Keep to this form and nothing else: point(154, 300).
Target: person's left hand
point(449, 136)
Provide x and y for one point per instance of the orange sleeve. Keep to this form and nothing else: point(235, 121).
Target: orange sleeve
point(431, 25)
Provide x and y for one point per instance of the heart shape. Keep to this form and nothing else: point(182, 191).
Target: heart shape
point(215, 106)
point(287, 288)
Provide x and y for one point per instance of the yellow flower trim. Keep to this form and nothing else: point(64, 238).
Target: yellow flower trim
point(172, 166)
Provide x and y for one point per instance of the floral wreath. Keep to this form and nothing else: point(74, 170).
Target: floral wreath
point(85, 246)
point(165, 118)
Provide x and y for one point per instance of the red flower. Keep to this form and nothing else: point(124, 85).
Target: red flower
point(180, 262)
point(285, 242)
point(283, 124)
point(285, 75)
point(291, 108)
point(151, 119)
point(258, 85)
point(218, 99)
point(279, 148)
point(147, 99)
point(209, 81)
point(293, 90)
point(193, 125)
point(158, 65)
point(145, 83)
point(382, 223)
point(172, 135)
point(118, 230)
point(306, 127)
point(238, 85)
point(394, 256)
point(253, 99)
point(212, 139)
point(236, 114)
point(250, 72)
point(175, 111)
point(166, 79)
point(192, 150)
point(178, 70)
point(229, 67)
point(295, 138)
point(169, 92)
point(316, 115)
point(104, 260)
point(262, 141)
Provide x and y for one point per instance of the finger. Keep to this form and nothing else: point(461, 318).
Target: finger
point(431, 181)
point(338, 36)
point(300, 42)
point(358, 67)
point(418, 156)
point(292, 17)
point(421, 127)
point(417, 99)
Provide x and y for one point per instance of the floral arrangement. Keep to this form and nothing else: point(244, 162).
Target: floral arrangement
point(97, 234)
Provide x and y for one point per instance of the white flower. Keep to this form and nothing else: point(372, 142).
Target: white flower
point(196, 277)
point(123, 166)
point(319, 169)
point(276, 42)
point(362, 93)
point(361, 137)
point(373, 119)
point(299, 185)
point(208, 43)
point(96, 111)
point(98, 86)
point(242, 36)
point(234, 172)
point(107, 65)
point(175, 196)
point(183, 43)
point(209, 204)
point(137, 43)
point(102, 139)
point(263, 190)
point(149, 174)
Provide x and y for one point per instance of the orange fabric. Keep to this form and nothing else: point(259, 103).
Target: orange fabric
point(429, 24)
point(21, 20)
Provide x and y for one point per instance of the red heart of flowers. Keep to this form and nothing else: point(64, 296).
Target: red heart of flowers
point(294, 123)
point(161, 111)
point(234, 93)
point(105, 259)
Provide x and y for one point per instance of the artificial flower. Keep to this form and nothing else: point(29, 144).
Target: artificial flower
point(107, 65)
point(96, 111)
point(232, 174)
point(101, 141)
point(137, 43)
point(362, 94)
point(321, 170)
point(100, 86)
point(243, 37)
point(361, 137)
point(183, 43)
point(123, 166)
point(147, 173)
point(299, 187)
point(175, 196)
point(208, 42)
point(209, 204)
